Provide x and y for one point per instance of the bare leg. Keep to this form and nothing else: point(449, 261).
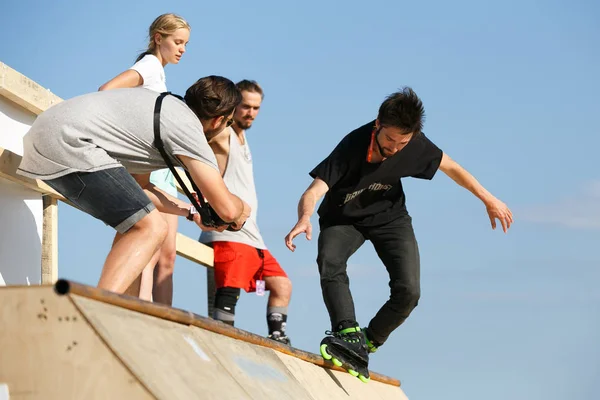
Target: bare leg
point(280, 290)
point(131, 252)
point(163, 273)
point(146, 279)
point(139, 286)
point(134, 288)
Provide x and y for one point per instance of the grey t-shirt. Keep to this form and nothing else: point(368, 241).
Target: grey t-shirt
point(108, 129)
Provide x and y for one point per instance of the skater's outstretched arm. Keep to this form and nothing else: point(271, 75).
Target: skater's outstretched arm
point(495, 208)
point(306, 207)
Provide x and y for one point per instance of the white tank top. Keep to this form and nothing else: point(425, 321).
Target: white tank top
point(239, 179)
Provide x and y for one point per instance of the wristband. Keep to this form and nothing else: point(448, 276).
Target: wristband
point(191, 212)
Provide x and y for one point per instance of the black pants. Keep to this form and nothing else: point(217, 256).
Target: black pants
point(396, 246)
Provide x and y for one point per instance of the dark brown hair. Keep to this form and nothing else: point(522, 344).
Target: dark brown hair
point(213, 96)
point(404, 110)
point(250, 86)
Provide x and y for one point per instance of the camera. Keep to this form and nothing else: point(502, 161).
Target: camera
point(210, 217)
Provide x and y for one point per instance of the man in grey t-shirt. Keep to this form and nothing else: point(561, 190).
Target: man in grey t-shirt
point(97, 151)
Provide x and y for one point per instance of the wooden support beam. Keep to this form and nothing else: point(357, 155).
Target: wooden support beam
point(21, 90)
point(50, 240)
point(185, 180)
point(194, 251)
point(211, 291)
point(9, 162)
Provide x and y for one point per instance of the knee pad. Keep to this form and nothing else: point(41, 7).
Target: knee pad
point(226, 298)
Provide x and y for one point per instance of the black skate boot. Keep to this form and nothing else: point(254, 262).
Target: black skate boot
point(278, 337)
point(346, 348)
point(372, 346)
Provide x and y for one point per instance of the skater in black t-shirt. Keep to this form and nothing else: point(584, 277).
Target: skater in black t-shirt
point(364, 200)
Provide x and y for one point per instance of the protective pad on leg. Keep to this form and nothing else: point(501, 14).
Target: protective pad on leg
point(225, 300)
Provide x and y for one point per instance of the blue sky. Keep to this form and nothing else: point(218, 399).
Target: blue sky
point(510, 91)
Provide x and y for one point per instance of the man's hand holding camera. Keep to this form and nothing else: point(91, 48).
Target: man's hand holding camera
point(198, 220)
point(239, 222)
point(209, 220)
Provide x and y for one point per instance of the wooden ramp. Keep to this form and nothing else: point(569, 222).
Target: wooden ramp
point(71, 341)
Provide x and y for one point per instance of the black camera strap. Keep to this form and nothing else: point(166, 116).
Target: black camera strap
point(158, 143)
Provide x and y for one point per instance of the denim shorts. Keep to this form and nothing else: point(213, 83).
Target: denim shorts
point(110, 195)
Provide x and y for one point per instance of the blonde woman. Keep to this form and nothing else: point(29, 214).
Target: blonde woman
point(168, 36)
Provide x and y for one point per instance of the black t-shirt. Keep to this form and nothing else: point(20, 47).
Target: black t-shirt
point(371, 194)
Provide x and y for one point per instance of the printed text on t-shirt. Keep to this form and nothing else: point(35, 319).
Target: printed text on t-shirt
point(372, 187)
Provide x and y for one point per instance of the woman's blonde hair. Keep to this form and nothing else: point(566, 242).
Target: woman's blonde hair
point(165, 25)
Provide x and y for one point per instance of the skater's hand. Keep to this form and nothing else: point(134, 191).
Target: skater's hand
point(498, 210)
point(303, 226)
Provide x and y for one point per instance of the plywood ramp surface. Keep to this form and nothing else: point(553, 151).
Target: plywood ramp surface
point(258, 369)
point(48, 351)
point(327, 384)
point(75, 347)
point(164, 355)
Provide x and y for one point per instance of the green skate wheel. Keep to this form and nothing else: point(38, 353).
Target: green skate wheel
point(352, 372)
point(324, 352)
point(364, 378)
point(336, 362)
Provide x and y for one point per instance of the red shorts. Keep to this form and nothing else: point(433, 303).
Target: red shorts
point(240, 266)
